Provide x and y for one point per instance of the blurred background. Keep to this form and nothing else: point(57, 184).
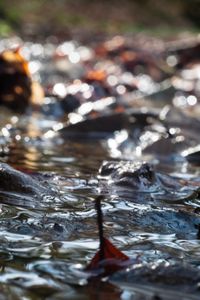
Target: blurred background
point(65, 17)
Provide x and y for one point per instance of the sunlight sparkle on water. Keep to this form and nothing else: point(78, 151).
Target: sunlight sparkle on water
point(5, 132)
point(60, 89)
point(75, 118)
point(121, 89)
point(74, 57)
point(66, 48)
point(191, 100)
point(18, 137)
point(34, 66)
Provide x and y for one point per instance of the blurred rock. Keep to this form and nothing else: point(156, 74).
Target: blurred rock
point(17, 91)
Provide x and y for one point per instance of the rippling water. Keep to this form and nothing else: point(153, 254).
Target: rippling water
point(43, 243)
point(46, 243)
point(40, 242)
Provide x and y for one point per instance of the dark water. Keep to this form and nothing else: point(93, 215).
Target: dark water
point(46, 243)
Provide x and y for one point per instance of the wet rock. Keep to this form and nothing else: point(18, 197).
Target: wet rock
point(15, 81)
point(139, 182)
point(169, 148)
point(137, 176)
point(103, 125)
point(98, 127)
point(69, 103)
point(187, 50)
point(194, 158)
point(175, 118)
point(168, 281)
point(12, 180)
point(181, 133)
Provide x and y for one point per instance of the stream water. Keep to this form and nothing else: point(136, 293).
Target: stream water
point(45, 244)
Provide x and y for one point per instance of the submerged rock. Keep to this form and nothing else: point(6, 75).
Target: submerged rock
point(182, 224)
point(46, 228)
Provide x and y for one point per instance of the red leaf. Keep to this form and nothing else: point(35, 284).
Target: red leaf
point(111, 260)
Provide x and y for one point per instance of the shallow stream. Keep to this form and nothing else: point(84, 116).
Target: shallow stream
point(46, 243)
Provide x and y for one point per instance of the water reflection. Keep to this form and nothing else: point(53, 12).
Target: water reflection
point(46, 243)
